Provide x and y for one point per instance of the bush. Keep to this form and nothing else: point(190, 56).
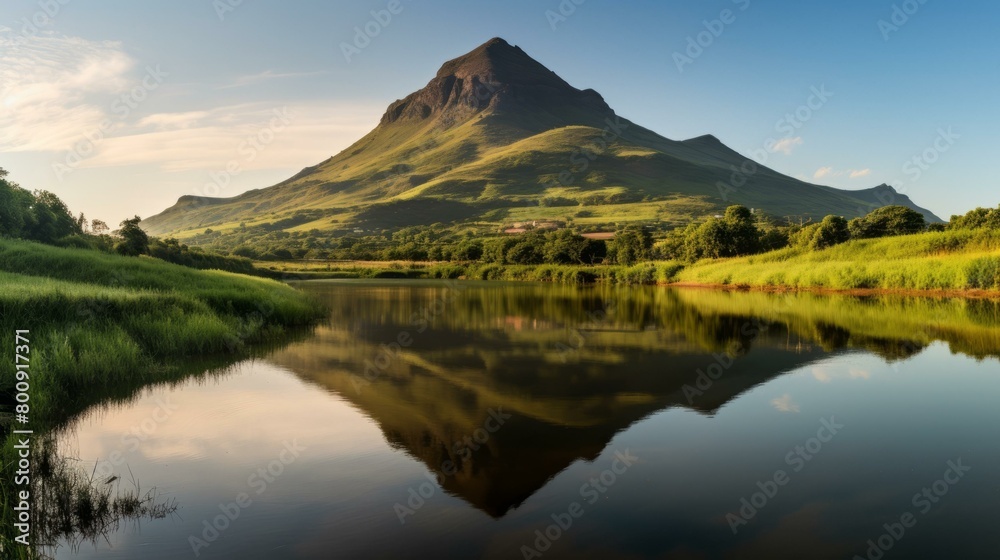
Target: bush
point(833, 230)
point(984, 273)
point(888, 221)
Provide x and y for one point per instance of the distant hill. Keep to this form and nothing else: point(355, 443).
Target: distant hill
point(497, 136)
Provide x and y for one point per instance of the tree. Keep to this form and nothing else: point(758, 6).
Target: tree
point(630, 245)
point(735, 234)
point(529, 249)
point(564, 247)
point(99, 227)
point(15, 203)
point(468, 250)
point(49, 219)
point(887, 221)
point(743, 230)
point(134, 241)
point(833, 230)
point(977, 219)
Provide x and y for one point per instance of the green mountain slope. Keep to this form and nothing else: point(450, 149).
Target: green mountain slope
point(496, 130)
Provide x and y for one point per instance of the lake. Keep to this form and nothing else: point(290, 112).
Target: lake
point(479, 420)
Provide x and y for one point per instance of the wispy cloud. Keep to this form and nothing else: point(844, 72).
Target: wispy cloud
point(210, 138)
point(787, 145)
point(824, 172)
point(49, 86)
point(784, 404)
point(267, 75)
point(54, 89)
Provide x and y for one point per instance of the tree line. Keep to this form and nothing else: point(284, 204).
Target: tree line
point(43, 217)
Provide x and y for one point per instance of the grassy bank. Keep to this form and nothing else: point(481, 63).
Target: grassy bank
point(950, 260)
point(953, 261)
point(97, 320)
point(103, 326)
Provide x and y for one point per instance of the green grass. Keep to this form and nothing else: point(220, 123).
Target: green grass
point(103, 326)
point(952, 260)
point(97, 320)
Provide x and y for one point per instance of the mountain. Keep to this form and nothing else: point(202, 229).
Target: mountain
point(498, 137)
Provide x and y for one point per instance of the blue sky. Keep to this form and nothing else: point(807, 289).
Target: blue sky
point(925, 88)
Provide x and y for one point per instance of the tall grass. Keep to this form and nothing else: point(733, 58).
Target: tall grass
point(951, 260)
point(97, 319)
point(105, 325)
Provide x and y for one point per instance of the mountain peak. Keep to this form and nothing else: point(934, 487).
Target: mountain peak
point(497, 61)
point(495, 76)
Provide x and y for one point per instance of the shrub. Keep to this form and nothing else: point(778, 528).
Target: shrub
point(984, 273)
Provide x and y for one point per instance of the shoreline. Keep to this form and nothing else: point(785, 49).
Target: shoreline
point(858, 292)
point(971, 293)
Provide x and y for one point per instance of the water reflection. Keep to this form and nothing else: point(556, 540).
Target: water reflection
point(710, 390)
point(574, 366)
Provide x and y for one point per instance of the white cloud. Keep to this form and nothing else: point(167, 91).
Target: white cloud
point(167, 121)
point(267, 75)
point(54, 89)
point(822, 375)
point(210, 139)
point(858, 373)
point(784, 404)
point(48, 87)
point(786, 145)
point(822, 172)
point(850, 173)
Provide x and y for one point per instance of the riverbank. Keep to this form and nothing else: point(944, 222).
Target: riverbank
point(950, 263)
point(97, 320)
point(95, 327)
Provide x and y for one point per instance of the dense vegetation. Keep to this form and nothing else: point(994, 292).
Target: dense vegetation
point(41, 216)
point(738, 232)
point(891, 249)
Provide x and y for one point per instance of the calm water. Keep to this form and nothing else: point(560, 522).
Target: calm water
point(638, 419)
